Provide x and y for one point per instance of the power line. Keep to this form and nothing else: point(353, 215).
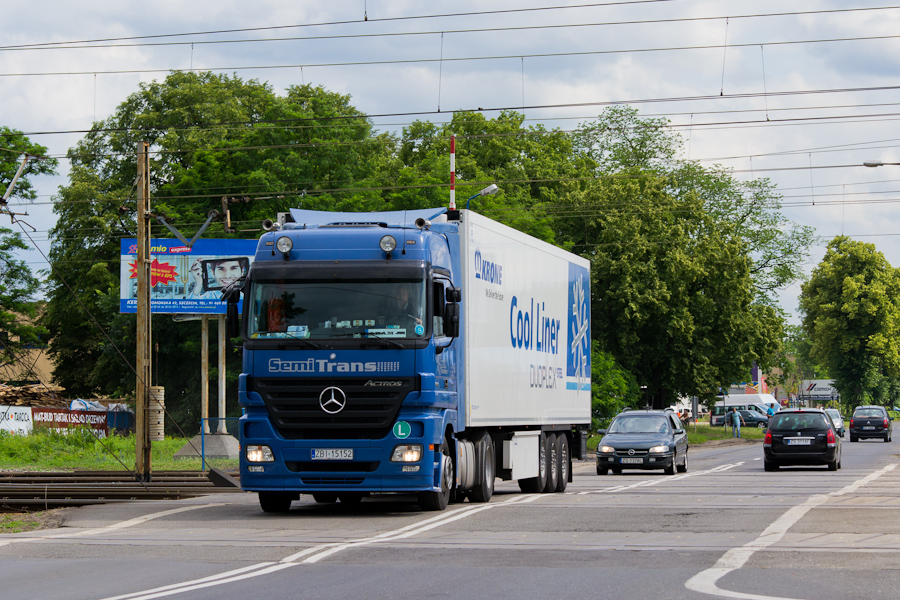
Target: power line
point(348, 22)
point(91, 45)
point(408, 61)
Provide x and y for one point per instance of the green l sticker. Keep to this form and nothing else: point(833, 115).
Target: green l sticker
point(402, 430)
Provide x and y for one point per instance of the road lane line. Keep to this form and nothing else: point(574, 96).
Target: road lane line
point(109, 528)
point(705, 581)
point(319, 552)
point(650, 482)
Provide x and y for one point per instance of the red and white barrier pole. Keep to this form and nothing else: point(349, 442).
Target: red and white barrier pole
point(452, 172)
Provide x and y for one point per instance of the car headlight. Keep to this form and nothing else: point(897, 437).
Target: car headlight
point(407, 453)
point(257, 454)
point(659, 449)
point(606, 449)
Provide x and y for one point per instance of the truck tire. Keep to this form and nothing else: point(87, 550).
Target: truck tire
point(275, 502)
point(431, 500)
point(565, 462)
point(552, 441)
point(535, 485)
point(484, 457)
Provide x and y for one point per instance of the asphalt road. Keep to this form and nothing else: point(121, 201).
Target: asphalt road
point(725, 529)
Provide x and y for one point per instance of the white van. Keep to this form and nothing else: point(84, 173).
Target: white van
point(758, 402)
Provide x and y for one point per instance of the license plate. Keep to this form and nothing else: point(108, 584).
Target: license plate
point(798, 442)
point(632, 461)
point(332, 454)
point(869, 427)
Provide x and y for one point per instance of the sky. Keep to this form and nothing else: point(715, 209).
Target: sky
point(800, 92)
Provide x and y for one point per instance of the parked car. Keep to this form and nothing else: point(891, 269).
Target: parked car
point(870, 422)
point(838, 420)
point(754, 418)
point(757, 402)
point(801, 436)
point(643, 439)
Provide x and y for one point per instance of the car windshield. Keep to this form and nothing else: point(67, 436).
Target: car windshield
point(835, 413)
point(798, 421)
point(868, 412)
point(639, 424)
point(327, 309)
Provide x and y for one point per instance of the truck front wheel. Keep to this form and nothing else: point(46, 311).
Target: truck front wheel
point(275, 502)
point(431, 500)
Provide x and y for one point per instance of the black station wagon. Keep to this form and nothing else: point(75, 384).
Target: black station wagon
point(801, 436)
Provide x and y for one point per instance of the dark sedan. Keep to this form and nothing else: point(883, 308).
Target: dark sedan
point(753, 418)
point(801, 436)
point(870, 422)
point(643, 439)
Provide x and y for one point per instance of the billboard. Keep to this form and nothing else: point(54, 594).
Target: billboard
point(184, 280)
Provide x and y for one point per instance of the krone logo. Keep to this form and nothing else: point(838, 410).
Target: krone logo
point(332, 400)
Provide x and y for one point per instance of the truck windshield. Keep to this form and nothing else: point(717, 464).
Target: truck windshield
point(326, 309)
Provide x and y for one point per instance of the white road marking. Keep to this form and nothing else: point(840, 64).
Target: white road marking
point(658, 480)
point(317, 553)
point(108, 528)
point(705, 581)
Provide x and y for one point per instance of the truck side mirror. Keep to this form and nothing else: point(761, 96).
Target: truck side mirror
point(451, 319)
point(232, 295)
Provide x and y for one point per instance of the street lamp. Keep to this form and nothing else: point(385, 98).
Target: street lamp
point(877, 163)
point(489, 190)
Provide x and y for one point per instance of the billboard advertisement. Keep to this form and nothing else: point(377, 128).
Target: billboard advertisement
point(184, 280)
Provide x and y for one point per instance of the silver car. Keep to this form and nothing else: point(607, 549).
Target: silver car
point(837, 419)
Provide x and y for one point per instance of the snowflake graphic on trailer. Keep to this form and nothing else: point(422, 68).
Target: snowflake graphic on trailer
point(578, 367)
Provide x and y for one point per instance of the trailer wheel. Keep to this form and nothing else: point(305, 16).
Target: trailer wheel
point(565, 462)
point(536, 485)
point(484, 454)
point(275, 502)
point(438, 500)
point(552, 442)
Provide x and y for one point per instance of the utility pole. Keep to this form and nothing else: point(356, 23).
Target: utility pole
point(142, 388)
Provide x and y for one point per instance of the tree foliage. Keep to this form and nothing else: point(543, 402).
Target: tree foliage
point(852, 318)
point(680, 255)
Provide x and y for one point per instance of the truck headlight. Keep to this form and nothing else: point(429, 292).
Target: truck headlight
point(388, 243)
point(659, 449)
point(606, 449)
point(407, 453)
point(284, 244)
point(258, 454)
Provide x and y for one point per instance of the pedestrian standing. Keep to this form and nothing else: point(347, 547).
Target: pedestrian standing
point(736, 421)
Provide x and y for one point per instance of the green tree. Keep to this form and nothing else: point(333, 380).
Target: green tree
point(612, 387)
point(211, 136)
point(620, 140)
point(18, 285)
point(671, 287)
point(17, 307)
point(851, 316)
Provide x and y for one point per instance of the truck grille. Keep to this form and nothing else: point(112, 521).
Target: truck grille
point(369, 413)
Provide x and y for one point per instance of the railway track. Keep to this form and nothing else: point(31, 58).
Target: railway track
point(30, 491)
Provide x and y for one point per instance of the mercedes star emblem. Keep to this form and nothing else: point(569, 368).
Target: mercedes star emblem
point(332, 400)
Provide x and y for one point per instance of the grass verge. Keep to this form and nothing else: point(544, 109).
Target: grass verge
point(82, 451)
